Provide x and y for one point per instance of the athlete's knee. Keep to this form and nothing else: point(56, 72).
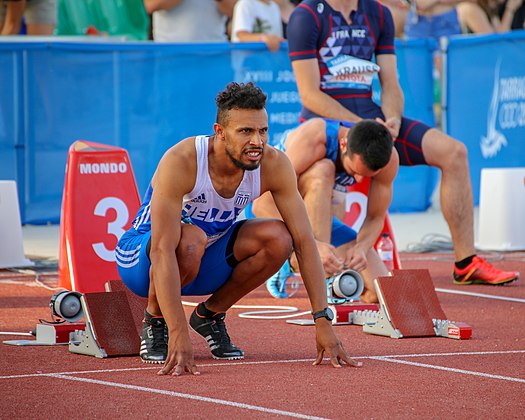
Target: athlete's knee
point(445, 152)
point(457, 160)
point(460, 152)
point(320, 175)
point(276, 240)
point(191, 248)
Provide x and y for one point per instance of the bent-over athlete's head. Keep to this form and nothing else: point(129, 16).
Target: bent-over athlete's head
point(372, 141)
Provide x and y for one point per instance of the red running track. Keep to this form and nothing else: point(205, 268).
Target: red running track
point(434, 377)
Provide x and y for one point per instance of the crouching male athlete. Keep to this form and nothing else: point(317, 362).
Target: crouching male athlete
point(327, 156)
point(186, 239)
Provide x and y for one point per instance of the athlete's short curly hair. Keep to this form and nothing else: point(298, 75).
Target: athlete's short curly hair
point(372, 141)
point(239, 96)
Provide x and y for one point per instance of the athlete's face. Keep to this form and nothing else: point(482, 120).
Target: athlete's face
point(355, 167)
point(245, 135)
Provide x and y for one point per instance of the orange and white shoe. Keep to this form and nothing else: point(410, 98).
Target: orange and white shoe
point(480, 271)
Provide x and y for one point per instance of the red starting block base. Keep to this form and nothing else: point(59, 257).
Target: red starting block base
point(51, 334)
point(345, 314)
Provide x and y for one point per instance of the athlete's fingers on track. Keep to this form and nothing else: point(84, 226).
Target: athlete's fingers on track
point(334, 359)
point(348, 360)
point(194, 370)
point(319, 357)
point(178, 370)
point(168, 367)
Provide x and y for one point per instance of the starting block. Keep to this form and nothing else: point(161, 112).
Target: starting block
point(408, 307)
point(113, 323)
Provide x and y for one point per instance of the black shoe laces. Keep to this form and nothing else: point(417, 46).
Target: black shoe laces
point(224, 338)
point(160, 337)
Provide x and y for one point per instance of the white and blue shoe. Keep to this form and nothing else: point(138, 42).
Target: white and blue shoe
point(284, 283)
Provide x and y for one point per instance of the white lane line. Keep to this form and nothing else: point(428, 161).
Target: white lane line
point(454, 370)
point(462, 353)
point(262, 362)
point(158, 367)
point(483, 295)
point(190, 397)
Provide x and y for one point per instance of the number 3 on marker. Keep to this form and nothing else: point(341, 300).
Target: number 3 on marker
point(115, 227)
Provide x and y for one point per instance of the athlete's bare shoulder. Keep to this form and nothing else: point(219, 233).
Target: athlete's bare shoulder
point(276, 168)
point(178, 164)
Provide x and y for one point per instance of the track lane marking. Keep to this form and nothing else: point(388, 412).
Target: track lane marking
point(264, 362)
point(189, 397)
point(454, 370)
point(483, 295)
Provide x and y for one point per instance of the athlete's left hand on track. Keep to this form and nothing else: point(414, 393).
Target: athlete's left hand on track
point(328, 342)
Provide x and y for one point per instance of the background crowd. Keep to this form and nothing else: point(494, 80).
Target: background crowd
point(246, 20)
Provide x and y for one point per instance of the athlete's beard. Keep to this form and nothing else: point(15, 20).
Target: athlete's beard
point(242, 165)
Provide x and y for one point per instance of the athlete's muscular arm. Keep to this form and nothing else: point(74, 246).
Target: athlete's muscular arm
point(171, 181)
point(278, 178)
point(392, 98)
point(307, 77)
point(379, 198)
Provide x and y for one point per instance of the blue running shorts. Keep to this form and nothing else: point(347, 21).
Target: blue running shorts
point(217, 264)
point(341, 233)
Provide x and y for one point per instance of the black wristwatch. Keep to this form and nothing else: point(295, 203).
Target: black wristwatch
point(325, 313)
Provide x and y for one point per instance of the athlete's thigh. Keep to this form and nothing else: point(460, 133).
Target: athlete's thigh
point(439, 148)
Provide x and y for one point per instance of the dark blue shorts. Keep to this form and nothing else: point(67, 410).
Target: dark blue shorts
point(217, 264)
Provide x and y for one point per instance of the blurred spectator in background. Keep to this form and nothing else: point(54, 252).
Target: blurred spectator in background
point(190, 20)
point(39, 16)
point(286, 8)
point(518, 22)
point(399, 10)
point(488, 16)
point(432, 19)
point(257, 21)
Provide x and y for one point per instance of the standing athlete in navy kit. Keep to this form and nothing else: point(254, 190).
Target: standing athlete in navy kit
point(332, 46)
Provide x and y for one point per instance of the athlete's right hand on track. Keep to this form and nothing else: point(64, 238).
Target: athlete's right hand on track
point(180, 356)
point(329, 343)
point(332, 264)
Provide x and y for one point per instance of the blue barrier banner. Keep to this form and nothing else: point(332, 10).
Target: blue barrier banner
point(10, 103)
point(145, 97)
point(485, 100)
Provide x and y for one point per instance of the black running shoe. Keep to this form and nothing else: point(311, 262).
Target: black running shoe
point(154, 339)
point(213, 329)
